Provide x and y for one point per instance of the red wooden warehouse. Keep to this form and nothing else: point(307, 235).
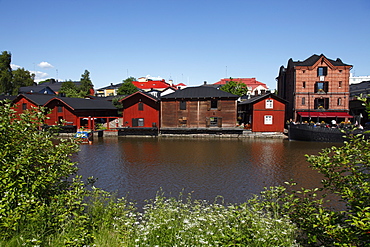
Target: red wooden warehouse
point(264, 113)
point(140, 110)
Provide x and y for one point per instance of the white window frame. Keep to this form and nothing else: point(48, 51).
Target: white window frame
point(268, 119)
point(269, 104)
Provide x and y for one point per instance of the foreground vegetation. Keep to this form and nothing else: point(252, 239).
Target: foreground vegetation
point(43, 204)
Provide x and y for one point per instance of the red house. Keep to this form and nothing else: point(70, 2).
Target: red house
point(77, 112)
point(140, 110)
point(263, 113)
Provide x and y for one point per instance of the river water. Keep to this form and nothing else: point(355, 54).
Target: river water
point(235, 169)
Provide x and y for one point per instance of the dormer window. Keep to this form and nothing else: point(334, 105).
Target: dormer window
point(322, 71)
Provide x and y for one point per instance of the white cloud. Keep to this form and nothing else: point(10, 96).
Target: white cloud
point(40, 76)
point(15, 67)
point(45, 65)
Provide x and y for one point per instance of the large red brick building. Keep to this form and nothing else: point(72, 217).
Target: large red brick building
point(316, 89)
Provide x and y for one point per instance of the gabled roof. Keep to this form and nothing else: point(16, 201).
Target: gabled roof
point(199, 92)
point(313, 59)
point(36, 89)
point(151, 84)
point(257, 98)
point(85, 104)
point(148, 95)
point(37, 99)
point(251, 83)
point(111, 86)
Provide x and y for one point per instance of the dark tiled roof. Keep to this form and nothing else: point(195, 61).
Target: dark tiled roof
point(87, 104)
point(111, 86)
point(38, 99)
point(313, 59)
point(36, 89)
point(199, 92)
point(254, 99)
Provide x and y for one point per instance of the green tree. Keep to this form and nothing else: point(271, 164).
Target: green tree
point(34, 172)
point(21, 78)
point(5, 73)
point(127, 87)
point(70, 89)
point(86, 84)
point(234, 87)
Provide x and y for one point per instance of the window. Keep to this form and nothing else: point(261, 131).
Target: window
point(321, 103)
point(340, 84)
point(339, 101)
point(24, 106)
point(303, 100)
point(268, 119)
point(137, 122)
point(213, 104)
point(304, 84)
point(141, 106)
point(269, 104)
point(322, 71)
point(60, 108)
point(182, 105)
point(321, 87)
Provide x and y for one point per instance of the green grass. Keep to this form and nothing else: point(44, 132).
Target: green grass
point(162, 222)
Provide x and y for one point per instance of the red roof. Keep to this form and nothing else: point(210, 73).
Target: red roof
point(151, 84)
point(250, 82)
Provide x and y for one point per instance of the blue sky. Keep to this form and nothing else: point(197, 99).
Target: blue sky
point(189, 41)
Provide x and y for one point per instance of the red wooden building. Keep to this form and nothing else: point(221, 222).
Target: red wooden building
point(263, 113)
point(140, 110)
point(198, 107)
point(77, 112)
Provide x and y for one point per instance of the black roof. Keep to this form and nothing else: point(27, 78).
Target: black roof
point(199, 92)
point(38, 99)
point(36, 89)
point(87, 104)
point(111, 86)
point(257, 98)
point(74, 103)
point(313, 59)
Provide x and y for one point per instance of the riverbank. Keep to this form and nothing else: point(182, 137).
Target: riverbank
point(240, 134)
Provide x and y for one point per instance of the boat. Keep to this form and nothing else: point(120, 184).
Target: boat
point(319, 133)
point(84, 136)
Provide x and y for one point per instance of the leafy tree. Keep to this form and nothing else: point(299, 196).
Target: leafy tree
point(5, 73)
point(70, 89)
point(234, 87)
point(21, 78)
point(127, 87)
point(34, 173)
point(86, 84)
point(346, 172)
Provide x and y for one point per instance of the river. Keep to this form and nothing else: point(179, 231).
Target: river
point(137, 168)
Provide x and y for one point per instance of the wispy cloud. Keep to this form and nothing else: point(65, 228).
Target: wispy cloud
point(45, 65)
point(14, 66)
point(40, 76)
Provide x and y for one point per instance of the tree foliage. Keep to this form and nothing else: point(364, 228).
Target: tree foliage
point(21, 78)
point(69, 89)
point(346, 171)
point(127, 87)
point(234, 87)
point(86, 84)
point(34, 171)
point(5, 73)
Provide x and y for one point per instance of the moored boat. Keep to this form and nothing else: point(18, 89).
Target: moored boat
point(84, 136)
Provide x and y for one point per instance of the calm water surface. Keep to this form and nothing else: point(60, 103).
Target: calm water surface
point(235, 169)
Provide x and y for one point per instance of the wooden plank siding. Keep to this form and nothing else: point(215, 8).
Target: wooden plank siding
point(148, 111)
point(277, 114)
point(197, 113)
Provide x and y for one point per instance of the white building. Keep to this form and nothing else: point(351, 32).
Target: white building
point(358, 79)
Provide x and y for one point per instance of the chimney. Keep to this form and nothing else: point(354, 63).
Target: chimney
point(205, 82)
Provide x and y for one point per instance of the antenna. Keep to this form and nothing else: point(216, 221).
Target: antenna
point(57, 74)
